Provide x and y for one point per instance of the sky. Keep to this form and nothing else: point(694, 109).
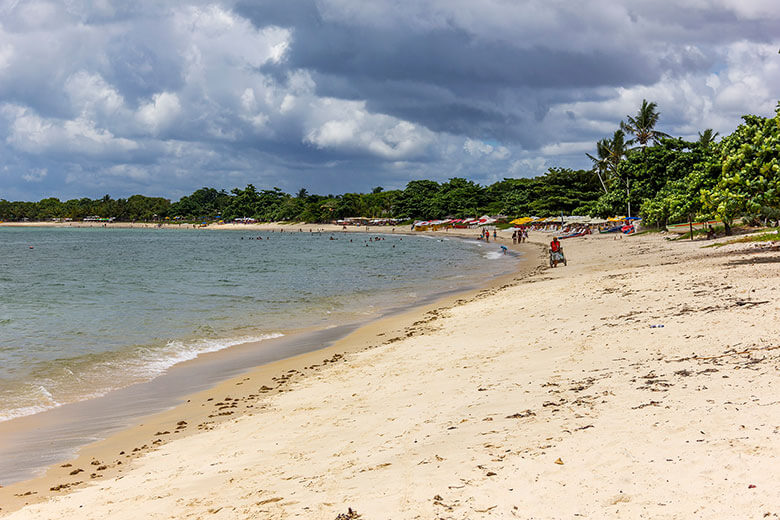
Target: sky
point(162, 98)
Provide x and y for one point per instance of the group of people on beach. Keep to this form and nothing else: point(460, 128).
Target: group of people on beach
point(485, 235)
point(519, 235)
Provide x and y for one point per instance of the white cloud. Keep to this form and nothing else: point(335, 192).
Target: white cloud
point(128, 171)
point(35, 175)
point(248, 101)
point(38, 14)
point(477, 148)
point(27, 130)
point(348, 126)
point(90, 94)
point(528, 167)
point(500, 153)
point(748, 84)
point(160, 113)
point(251, 113)
point(288, 103)
point(333, 134)
point(6, 54)
point(218, 44)
point(752, 9)
point(568, 148)
point(688, 103)
point(33, 134)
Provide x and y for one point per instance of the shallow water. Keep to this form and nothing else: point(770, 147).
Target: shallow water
point(84, 311)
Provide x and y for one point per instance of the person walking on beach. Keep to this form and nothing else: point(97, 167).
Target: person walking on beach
point(514, 237)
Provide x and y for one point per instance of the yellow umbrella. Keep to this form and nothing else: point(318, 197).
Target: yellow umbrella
point(522, 220)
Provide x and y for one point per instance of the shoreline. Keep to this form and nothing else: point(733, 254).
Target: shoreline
point(268, 374)
point(615, 386)
point(352, 321)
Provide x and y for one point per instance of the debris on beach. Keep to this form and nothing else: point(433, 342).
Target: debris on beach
point(520, 415)
point(349, 515)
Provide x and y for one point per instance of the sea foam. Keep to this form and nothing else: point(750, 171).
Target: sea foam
point(143, 365)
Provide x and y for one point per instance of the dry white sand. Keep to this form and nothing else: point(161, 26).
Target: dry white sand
point(551, 397)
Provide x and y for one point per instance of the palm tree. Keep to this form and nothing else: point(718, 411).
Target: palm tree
point(643, 125)
point(601, 162)
point(302, 193)
point(643, 128)
point(610, 153)
point(618, 152)
point(618, 149)
point(707, 137)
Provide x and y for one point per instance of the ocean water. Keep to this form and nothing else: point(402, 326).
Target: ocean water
point(87, 310)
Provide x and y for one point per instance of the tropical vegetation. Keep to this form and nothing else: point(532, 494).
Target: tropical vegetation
point(667, 180)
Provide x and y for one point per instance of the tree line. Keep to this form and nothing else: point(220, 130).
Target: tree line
point(558, 190)
point(638, 170)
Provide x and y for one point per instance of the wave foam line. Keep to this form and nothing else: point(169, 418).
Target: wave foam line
point(146, 367)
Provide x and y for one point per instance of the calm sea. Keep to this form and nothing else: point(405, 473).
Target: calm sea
point(87, 310)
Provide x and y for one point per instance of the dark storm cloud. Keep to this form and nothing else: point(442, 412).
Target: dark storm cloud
point(456, 60)
point(302, 14)
point(447, 79)
point(140, 68)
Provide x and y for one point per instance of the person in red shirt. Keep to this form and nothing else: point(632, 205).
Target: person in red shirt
point(556, 252)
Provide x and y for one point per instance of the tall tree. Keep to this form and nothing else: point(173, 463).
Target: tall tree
point(642, 127)
point(457, 197)
point(601, 161)
point(416, 200)
point(609, 154)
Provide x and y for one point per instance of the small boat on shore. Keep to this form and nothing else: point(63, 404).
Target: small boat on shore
point(614, 229)
point(573, 235)
point(685, 227)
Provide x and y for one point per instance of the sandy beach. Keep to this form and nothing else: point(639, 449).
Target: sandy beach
point(639, 381)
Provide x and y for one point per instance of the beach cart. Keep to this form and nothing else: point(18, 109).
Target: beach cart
point(557, 257)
